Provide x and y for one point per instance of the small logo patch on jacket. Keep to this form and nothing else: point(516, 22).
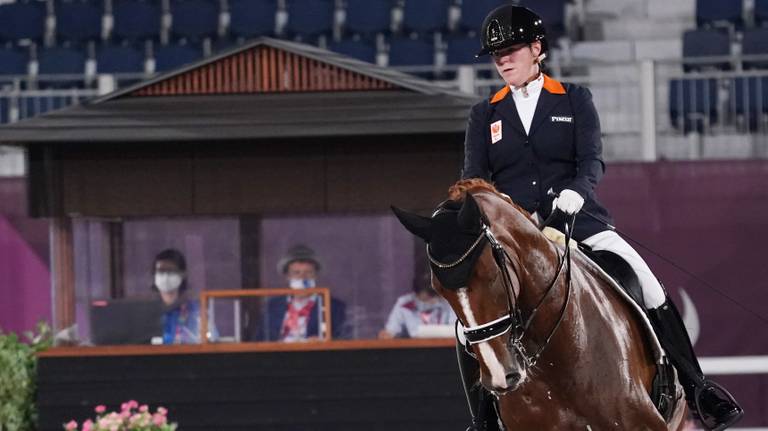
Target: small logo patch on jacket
point(495, 131)
point(561, 119)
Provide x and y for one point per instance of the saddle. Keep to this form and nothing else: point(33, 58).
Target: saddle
point(622, 277)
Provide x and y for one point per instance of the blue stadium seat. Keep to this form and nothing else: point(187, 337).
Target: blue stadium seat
point(310, 17)
point(761, 12)
point(552, 12)
point(251, 18)
point(59, 60)
point(462, 50)
point(119, 59)
point(194, 19)
point(755, 42)
point(22, 20)
point(692, 103)
point(170, 57)
point(473, 12)
point(5, 107)
point(706, 43)
point(78, 20)
point(749, 97)
point(425, 16)
point(411, 52)
point(360, 50)
point(13, 62)
point(368, 17)
point(716, 11)
point(136, 19)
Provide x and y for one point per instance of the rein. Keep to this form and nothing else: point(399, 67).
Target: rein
point(513, 319)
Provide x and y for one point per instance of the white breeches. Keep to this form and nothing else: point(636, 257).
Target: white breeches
point(653, 293)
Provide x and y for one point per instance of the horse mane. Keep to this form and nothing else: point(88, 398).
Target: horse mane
point(459, 190)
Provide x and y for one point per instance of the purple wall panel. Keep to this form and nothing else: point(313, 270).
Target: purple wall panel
point(25, 287)
point(25, 293)
point(710, 218)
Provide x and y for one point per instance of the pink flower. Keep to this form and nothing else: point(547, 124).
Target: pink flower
point(125, 406)
point(144, 408)
point(88, 425)
point(104, 423)
point(101, 408)
point(71, 425)
point(133, 404)
point(125, 414)
point(158, 419)
point(162, 410)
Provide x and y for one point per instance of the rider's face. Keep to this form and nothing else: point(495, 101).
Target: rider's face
point(517, 63)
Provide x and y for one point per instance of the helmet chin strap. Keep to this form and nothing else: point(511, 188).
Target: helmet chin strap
point(524, 86)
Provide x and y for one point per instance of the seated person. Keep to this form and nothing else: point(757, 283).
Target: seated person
point(413, 310)
point(181, 320)
point(297, 317)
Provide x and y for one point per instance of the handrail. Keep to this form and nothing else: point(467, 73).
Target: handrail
point(205, 295)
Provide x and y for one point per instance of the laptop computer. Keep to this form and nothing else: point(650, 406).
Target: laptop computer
point(126, 321)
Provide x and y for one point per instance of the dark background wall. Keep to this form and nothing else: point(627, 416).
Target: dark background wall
point(378, 389)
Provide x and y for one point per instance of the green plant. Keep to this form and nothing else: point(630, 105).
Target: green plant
point(18, 374)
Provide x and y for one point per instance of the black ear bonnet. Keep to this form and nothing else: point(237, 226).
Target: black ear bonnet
point(451, 240)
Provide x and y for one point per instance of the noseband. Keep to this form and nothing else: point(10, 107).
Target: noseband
point(513, 319)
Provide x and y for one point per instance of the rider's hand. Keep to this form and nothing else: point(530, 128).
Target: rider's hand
point(569, 202)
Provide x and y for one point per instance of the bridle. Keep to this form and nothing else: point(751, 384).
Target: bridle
point(513, 319)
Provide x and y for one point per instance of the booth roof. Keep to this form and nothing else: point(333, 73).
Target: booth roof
point(410, 106)
point(196, 118)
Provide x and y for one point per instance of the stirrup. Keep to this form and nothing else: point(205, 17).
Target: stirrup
point(711, 422)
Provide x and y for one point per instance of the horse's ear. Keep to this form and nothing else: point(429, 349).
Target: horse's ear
point(470, 214)
point(418, 225)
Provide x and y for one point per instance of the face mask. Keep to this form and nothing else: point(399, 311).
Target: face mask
point(167, 281)
point(301, 283)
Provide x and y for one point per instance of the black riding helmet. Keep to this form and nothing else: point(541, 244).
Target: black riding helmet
point(509, 25)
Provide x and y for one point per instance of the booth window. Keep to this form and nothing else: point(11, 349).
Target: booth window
point(365, 261)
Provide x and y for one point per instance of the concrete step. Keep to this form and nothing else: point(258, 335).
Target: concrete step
point(602, 50)
point(12, 163)
point(731, 146)
point(665, 9)
point(615, 8)
point(621, 146)
point(660, 49)
point(645, 28)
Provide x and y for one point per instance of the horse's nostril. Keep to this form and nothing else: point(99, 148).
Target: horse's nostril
point(513, 378)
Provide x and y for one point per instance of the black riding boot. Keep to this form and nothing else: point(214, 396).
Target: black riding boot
point(715, 407)
point(480, 402)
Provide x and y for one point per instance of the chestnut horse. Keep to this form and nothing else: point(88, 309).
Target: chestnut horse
point(558, 346)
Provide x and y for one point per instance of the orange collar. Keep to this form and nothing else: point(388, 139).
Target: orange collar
point(552, 85)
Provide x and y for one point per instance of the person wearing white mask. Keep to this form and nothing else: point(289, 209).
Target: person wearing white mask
point(181, 320)
point(297, 317)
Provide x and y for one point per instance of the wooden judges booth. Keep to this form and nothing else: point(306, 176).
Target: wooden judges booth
point(270, 128)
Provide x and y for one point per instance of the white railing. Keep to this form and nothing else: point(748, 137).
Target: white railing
point(25, 96)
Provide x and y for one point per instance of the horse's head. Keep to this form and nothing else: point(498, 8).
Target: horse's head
point(460, 246)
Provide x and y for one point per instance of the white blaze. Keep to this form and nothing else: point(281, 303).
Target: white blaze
point(498, 377)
